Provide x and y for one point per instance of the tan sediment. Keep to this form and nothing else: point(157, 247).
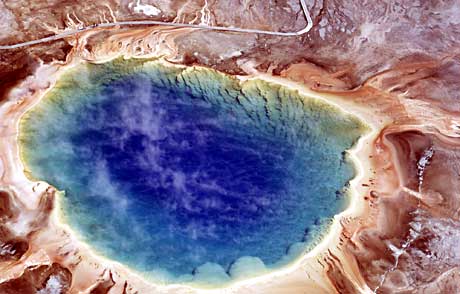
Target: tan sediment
point(57, 242)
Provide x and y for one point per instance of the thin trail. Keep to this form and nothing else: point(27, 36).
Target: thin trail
point(171, 24)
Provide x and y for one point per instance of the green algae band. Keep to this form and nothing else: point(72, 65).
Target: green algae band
point(188, 174)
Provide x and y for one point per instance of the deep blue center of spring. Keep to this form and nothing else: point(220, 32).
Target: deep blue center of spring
point(159, 178)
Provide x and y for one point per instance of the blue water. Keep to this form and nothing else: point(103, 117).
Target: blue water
point(165, 180)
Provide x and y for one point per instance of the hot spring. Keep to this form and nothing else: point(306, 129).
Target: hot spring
point(186, 174)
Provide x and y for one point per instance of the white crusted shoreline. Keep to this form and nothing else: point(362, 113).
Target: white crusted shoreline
point(303, 273)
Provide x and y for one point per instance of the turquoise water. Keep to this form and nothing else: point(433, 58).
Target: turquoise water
point(189, 175)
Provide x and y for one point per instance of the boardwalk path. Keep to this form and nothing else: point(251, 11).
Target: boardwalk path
point(172, 24)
